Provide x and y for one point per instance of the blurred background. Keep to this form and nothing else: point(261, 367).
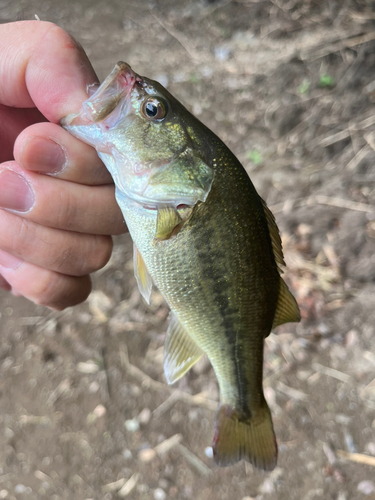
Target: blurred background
point(85, 412)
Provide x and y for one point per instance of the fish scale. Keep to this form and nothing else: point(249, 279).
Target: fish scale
point(207, 240)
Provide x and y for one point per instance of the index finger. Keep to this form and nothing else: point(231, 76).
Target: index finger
point(44, 67)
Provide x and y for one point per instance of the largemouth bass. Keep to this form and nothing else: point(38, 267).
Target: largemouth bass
point(205, 238)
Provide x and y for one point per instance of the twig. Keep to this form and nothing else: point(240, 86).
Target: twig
point(196, 462)
point(370, 139)
point(344, 134)
point(329, 453)
point(116, 485)
point(320, 199)
point(292, 393)
point(168, 444)
point(337, 46)
point(179, 37)
point(178, 395)
point(359, 458)
point(128, 486)
point(58, 392)
point(108, 391)
point(362, 153)
point(331, 372)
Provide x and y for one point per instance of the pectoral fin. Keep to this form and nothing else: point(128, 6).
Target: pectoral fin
point(180, 351)
point(142, 275)
point(287, 309)
point(168, 218)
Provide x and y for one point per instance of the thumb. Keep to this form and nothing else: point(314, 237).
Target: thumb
point(44, 67)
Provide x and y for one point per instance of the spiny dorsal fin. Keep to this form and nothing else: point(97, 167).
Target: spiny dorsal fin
point(142, 275)
point(168, 218)
point(180, 351)
point(275, 237)
point(287, 309)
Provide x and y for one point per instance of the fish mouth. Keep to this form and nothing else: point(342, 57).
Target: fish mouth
point(116, 87)
point(109, 102)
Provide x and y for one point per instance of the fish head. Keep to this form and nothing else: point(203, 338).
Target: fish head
point(149, 142)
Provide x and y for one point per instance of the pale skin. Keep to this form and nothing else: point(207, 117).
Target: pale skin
point(57, 203)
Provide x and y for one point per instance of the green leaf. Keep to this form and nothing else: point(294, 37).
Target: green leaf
point(326, 80)
point(304, 87)
point(255, 156)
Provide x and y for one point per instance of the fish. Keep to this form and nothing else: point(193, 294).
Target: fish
point(204, 237)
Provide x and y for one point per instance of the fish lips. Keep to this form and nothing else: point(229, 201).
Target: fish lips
point(105, 107)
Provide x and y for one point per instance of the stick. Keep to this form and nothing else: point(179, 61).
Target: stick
point(196, 399)
point(337, 46)
point(331, 372)
point(321, 199)
point(359, 458)
point(196, 462)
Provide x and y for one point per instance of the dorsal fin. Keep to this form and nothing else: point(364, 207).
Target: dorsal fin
point(287, 309)
point(275, 237)
point(180, 351)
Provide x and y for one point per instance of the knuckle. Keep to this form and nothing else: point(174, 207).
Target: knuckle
point(58, 291)
point(67, 210)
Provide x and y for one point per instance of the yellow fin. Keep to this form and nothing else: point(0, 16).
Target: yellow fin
point(142, 275)
point(180, 351)
point(168, 218)
point(287, 309)
point(251, 438)
point(275, 237)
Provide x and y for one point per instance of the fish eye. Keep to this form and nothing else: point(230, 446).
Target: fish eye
point(154, 109)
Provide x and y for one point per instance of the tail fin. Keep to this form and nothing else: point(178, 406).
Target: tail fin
point(249, 438)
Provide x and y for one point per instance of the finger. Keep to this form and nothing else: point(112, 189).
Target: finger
point(42, 286)
point(65, 252)
point(4, 285)
point(60, 204)
point(12, 122)
point(43, 67)
point(49, 149)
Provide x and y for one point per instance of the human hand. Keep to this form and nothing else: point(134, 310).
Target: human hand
point(57, 203)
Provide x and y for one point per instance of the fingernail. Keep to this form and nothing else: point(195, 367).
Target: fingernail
point(15, 192)
point(9, 261)
point(42, 155)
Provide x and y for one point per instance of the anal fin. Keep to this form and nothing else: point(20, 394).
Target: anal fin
point(142, 275)
point(180, 351)
point(287, 309)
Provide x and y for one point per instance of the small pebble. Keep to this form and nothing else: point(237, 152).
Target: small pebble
point(160, 494)
point(4, 494)
point(366, 487)
point(222, 52)
point(209, 452)
point(20, 488)
point(147, 455)
point(88, 367)
point(94, 387)
point(145, 416)
point(99, 411)
point(131, 425)
point(127, 454)
point(8, 433)
point(370, 448)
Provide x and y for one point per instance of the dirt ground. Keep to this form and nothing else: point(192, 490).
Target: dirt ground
point(85, 412)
